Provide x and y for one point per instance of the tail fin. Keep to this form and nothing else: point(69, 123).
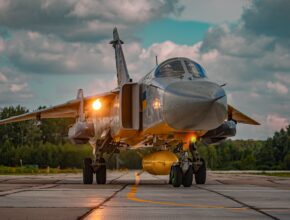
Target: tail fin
point(122, 71)
point(80, 96)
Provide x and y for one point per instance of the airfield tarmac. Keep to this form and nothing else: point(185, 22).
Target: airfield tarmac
point(131, 196)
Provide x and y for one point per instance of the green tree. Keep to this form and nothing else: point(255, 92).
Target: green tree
point(287, 161)
point(265, 157)
point(248, 163)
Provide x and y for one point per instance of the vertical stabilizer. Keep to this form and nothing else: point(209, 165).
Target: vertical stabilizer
point(81, 114)
point(122, 72)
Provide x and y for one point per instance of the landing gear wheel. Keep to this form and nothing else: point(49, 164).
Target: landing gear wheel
point(187, 177)
point(200, 175)
point(170, 176)
point(88, 171)
point(176, 176)
point(101, 173)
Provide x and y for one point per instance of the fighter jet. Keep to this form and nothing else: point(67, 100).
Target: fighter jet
point(170, 108)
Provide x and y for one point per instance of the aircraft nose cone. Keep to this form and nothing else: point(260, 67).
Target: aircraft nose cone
point(194, 105)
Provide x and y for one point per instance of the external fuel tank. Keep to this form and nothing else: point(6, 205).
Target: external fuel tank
point(159, 163)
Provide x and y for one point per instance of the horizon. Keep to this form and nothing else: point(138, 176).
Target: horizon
point(63, 46)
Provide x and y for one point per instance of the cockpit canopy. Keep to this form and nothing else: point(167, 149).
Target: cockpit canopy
point(178, 67)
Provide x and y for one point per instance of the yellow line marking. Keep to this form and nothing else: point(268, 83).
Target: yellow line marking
point(131, 195)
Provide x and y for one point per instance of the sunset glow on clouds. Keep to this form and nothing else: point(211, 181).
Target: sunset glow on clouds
point(49, 49)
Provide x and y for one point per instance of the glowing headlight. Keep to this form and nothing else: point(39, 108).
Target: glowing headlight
point(156, 104)
point(193, 139)
point(97, 105)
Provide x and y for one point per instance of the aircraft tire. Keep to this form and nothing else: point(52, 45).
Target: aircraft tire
point(200, 175)
point(101, 174)
point(170, 176)
point(88, 171)
point(176, 176)
point(187, 177)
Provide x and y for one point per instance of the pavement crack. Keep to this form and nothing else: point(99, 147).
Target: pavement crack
point(10, 192)
point(219, 181)
point(240, 202)
point(112, 181)
point(102, 203)
point(7, 180)
point(273, 181)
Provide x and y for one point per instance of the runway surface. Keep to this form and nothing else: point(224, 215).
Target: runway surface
point(131, 196)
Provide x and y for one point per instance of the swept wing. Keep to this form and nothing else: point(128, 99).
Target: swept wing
point(69, 109)
point(240, 117)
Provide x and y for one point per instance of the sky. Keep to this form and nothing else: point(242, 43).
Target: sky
point(51, 48)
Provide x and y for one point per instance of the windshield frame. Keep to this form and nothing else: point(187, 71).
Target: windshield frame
point(178, 72)
point(196, 71)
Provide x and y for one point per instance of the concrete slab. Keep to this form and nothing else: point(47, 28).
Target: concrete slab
point(41, 213)
point(63, 196)
point(169, 213)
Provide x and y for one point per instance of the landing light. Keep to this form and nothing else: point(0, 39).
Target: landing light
point(97, 105)
point(156, 104)
point(193, 139)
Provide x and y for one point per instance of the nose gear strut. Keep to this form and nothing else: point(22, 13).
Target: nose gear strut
point(182, 171)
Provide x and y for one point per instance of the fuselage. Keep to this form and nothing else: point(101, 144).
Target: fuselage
point(175, 98)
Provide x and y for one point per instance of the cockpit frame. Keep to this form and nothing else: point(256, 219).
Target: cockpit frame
point(179, 67)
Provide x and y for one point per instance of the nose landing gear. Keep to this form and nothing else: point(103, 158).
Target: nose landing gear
point(200, 174)
point(176, 175)
point(182, 171)
point(199, 165)
point(187, 177)
point(101, 172)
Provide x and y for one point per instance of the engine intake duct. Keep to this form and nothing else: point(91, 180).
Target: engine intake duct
point(81, 132)
point(219, 134)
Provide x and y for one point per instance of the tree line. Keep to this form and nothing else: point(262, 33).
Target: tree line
point(24, 143)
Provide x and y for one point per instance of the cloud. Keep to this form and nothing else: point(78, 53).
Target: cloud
point(83, 20)
point(17, 87)
point(276, 122)
point(211, 11)
point(70, 36)
point(13, 88)
point(252, 56)
point(268, 17)
point(2, 46)
point(3, 78)
point(278, 87)
point(32, 52)
point(128, 11)
point(169, 49)
point(283, 77)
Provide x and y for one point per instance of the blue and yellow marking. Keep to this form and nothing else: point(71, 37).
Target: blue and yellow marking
point(144, 100)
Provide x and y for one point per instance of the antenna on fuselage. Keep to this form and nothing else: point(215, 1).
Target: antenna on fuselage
point(156, 60)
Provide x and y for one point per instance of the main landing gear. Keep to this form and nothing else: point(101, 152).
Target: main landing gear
point(88, 172)
point(98, 165)
point(181, 173)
